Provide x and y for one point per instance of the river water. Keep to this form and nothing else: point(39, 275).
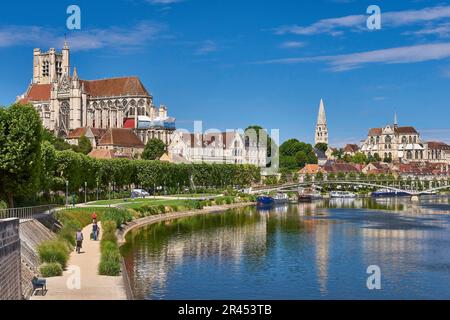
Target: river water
point(320, 250)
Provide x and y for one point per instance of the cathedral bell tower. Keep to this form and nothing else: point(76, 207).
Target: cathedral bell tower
point(321, 127)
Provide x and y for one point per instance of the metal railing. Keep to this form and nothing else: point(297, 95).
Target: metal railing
point(27, 212)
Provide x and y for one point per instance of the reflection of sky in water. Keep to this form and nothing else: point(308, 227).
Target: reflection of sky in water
point(305, 251)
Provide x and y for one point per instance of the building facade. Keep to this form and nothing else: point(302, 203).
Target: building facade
point(321, 126)
point(66, 103)
point(222, 147)
point(403, 144)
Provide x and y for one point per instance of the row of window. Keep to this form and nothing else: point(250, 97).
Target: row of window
point(388, 140)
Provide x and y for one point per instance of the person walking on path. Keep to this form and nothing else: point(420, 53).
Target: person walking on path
point(94, 217)
point(79, 239)
point(95, 231)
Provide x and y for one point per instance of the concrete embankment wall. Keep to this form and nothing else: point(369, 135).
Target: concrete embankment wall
point(32, 234)
point(10, 266)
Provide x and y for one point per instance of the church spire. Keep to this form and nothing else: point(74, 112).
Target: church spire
point(395, 120)
point(322, 118)
point(321, 127)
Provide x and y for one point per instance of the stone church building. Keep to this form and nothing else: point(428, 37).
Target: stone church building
point(66, 103)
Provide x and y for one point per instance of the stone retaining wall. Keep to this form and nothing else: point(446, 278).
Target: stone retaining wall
point(10, 263)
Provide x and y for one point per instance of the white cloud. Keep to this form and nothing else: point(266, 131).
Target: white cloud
point(440, 30)
point(207, 46)
point(163, 2)
point(398, 55)
point(336, 26)
point(292, 44)
point(120, 38)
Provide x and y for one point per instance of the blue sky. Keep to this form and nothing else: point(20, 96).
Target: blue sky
point(240, 62)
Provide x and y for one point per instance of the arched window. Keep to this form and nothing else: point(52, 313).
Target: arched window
point(409, 155)
point(388, 140)
point(404, 140)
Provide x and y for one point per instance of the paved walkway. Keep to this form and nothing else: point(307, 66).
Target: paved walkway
point(93, 286)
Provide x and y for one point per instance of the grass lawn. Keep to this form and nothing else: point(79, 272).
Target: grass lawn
point(152, 202)
point(145, 201)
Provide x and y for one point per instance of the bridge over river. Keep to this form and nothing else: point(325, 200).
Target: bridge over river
point(409, 187)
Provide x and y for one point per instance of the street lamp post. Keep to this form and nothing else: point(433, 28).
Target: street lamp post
point(85, 192)
point(97, 190)
point(67, 193)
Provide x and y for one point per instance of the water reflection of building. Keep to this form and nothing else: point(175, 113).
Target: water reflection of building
point(229, 244)
point(322, 235)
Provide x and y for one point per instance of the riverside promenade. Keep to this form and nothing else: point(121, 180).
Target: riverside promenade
point(92, 285)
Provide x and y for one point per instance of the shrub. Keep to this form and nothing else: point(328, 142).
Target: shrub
point(161, 209)
point(109, 268)
point(118, 216)
point(52, 269)
point(109, 231)
point(54, 251)
point(174, 208)
point(110, 251)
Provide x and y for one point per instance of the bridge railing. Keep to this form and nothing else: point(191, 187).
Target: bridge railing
point(26, 212)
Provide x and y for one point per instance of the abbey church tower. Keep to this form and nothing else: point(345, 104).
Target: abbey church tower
point(321, 127)
point(50, 66)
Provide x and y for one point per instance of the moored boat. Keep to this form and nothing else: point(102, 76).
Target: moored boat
point(386, 193)
point(277, 199)
point(342, 194)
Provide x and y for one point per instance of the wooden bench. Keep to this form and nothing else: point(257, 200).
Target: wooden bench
point(39, 284)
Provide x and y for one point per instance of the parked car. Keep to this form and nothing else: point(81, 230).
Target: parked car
point(139, 193)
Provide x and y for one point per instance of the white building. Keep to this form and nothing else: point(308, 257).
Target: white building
point(222, 147)
point(403, 144)
point(66, 103)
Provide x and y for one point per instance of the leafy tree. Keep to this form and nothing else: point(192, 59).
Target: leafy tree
point(295, 154)
point(20, 151)
point(301, 158)
point(266, 140)
point(288, 162)
point(84, 145)
point(322, 146)
point(154, 149)
point(359, 157)
point(59, 143)
point(291, 147)
point(338, 153)
point(348, 158)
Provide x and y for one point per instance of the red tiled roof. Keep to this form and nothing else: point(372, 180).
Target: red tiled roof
point(406, 130)
point(38, 92)
point(351, 148)
point(113, 87)
point(341, 167)
point(79, 132)
point(120, 138)
point(399, 130)
point(101, 154)
point(438, 145)
point(375, 132)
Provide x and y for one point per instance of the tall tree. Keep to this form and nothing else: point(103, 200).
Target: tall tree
point(263, 138)
point(20, 151)
point(84, 145)
point(154, 149)
point(322, 146)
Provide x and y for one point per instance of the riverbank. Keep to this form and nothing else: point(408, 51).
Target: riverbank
point(83, 270)
point(121, 234)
